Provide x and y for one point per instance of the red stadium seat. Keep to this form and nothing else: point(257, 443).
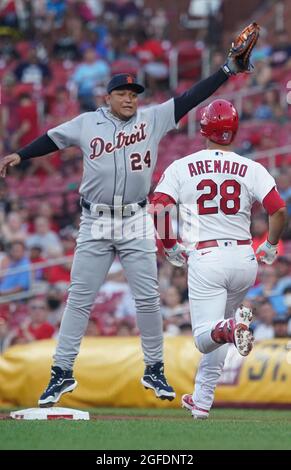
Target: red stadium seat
point(189, 60)
point(130, 65)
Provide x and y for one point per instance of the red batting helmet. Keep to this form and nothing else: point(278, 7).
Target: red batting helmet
point(219, 122)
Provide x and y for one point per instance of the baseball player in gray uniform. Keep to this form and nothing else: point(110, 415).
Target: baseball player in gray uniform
point(119, 145)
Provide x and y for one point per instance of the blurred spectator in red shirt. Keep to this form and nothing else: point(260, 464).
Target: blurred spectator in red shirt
point(107, 324)
point(28, 126)
point(59, 273)
point(8, 15)
point(35, 326)
point(63, 108)
point(28, 129)
point(152, 55)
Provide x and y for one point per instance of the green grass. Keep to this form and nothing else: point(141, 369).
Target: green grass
point(161, 429)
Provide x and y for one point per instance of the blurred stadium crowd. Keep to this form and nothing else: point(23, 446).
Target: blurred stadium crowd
point(55, 59)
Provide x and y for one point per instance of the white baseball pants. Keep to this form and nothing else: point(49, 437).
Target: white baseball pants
point(218, 278)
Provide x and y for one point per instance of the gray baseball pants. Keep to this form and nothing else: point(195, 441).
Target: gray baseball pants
point(92, 260)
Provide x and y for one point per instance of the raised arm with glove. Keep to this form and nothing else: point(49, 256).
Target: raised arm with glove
point(238, 59)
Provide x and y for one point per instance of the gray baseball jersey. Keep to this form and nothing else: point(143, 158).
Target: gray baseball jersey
point(119, 159)
point(119, 156)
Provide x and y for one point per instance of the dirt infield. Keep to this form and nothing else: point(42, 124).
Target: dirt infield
point(94, 417)
point(131, 418)
point(4, 416)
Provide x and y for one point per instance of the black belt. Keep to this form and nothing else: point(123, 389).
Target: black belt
point(127, 209)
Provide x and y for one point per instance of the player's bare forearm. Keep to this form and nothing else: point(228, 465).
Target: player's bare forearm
point(277, 223)
point(24, 128)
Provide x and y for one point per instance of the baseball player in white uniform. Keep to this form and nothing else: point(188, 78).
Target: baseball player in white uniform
point(119, 145)
point(216, 189)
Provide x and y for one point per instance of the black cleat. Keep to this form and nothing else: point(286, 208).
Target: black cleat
point(155, 379)
point(62, 381)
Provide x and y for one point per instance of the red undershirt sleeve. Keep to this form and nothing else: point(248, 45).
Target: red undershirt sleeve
point(160, 207)
point(273, 202)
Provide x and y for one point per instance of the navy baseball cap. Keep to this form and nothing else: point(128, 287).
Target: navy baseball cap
point(124, 80)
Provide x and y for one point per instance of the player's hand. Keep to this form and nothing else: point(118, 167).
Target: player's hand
point(238, 59)
point(267, 252)
point(176, 255)
point(10, 160)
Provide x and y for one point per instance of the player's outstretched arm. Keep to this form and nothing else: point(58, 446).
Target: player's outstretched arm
point(39, 147)
point(238, 61)
point(277, 223)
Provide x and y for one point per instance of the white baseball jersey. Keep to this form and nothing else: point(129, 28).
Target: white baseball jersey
point(216, 190)
point(119, 156)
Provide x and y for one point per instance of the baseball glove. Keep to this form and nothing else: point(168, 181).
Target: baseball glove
point(239, 54)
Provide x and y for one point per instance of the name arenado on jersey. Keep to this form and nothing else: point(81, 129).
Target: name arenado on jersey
point(98, 145)
point(217, 166)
